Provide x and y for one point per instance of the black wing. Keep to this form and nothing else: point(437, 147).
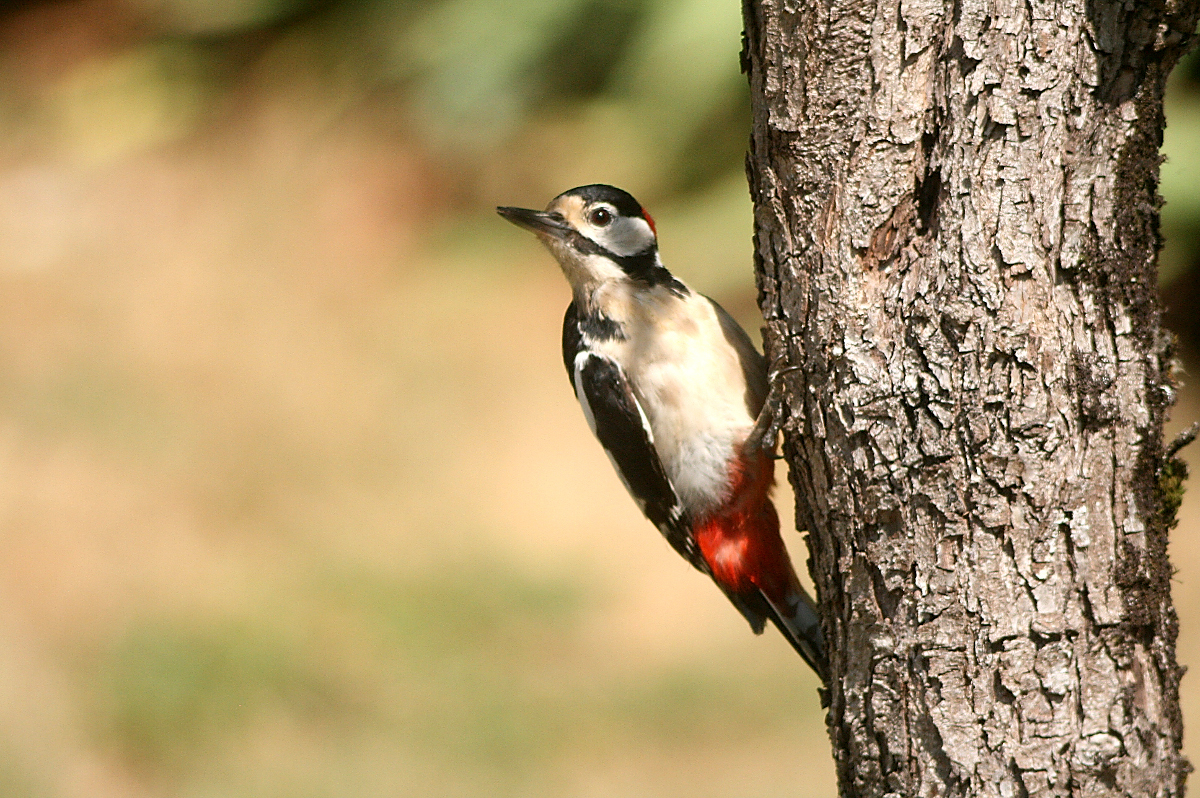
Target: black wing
point(618, 422)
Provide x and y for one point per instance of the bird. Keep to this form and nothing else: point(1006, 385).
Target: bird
point(680, 400)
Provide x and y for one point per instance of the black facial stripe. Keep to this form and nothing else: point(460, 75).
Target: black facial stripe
point(642, 266)
point(587, 246)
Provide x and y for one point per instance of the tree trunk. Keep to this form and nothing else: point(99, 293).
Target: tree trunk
point(956, 233)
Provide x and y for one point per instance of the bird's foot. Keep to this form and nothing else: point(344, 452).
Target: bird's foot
point(770, 419)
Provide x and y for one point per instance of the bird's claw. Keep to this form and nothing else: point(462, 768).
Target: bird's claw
point(773, 377)
point(770, 420)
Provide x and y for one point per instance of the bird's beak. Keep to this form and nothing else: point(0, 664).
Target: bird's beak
point(550, 224)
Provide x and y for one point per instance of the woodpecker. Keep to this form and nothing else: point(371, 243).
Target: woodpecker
point(680, 400)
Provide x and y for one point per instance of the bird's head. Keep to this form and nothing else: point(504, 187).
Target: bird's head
point(597, 234)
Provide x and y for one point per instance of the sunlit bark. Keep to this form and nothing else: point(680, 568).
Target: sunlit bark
point(956, 232)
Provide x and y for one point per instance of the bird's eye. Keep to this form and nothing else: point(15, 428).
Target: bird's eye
point(600, 217)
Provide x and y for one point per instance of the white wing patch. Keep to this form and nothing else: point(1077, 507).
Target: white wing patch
point(581, 360)
point(623, 429)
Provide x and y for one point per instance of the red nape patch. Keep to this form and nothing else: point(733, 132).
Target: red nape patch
point(650, 221)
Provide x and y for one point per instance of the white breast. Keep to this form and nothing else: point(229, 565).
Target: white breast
point(689, 382)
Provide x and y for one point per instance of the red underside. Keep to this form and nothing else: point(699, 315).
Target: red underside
point(741, 541)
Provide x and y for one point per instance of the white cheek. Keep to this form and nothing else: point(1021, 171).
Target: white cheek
point(583, 269)
point(627, 236)
point(602, 269)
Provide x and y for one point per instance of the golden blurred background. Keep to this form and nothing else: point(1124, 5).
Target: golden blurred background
point(295, 498)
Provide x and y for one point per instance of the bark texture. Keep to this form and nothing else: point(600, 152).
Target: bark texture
point(956, 227)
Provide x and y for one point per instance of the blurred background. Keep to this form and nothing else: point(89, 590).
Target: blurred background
point(294, 497)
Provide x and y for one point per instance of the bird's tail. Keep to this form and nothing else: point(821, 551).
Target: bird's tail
point(797, 619)
point(745, 555)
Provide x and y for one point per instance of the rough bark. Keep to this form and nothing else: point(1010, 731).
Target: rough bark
point(956, 228)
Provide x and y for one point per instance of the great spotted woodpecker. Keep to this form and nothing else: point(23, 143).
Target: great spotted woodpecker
point(678, 397)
